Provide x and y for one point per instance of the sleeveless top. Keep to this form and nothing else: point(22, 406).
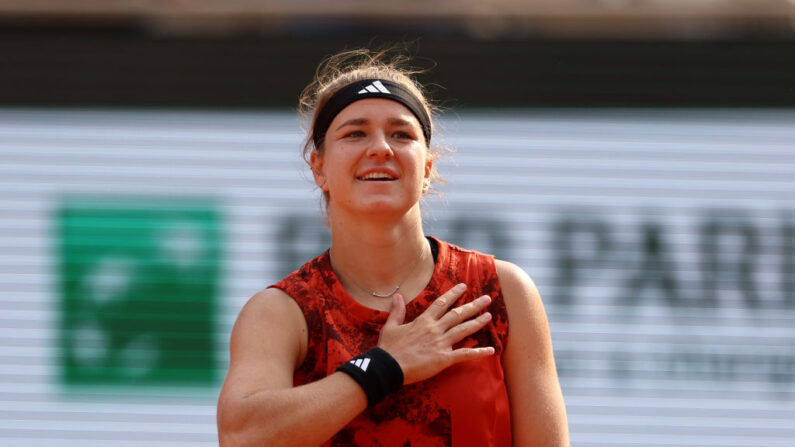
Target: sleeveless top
point(464, 405)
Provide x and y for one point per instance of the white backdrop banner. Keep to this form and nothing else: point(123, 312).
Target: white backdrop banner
point(662, 241)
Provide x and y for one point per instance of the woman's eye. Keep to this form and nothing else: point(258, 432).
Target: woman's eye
point(402, 135)
point(355, 134)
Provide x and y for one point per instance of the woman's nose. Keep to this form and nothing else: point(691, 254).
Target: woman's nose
point(379, 147)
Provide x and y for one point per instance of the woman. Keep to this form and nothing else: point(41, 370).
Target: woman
point(390, 338)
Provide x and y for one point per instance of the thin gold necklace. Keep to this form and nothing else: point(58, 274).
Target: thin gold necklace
point(397, 287)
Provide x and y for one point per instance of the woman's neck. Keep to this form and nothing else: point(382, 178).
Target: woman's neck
point(377, 256)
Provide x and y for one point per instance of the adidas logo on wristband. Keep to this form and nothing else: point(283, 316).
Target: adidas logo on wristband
point(361, 363)
point(377, 372)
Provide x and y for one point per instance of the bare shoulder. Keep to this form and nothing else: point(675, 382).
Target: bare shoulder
point(268, 343)
point(270, 303)
point(518, 290)
point(271, 315)
point(528, 328)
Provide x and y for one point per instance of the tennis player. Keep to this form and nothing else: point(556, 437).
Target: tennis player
point(391, 337)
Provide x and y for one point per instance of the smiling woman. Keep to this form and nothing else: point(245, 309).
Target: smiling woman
point(352, 76)
point(389, 338)
point(374, 158)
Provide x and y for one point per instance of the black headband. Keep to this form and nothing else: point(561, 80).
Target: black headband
point(369, 88)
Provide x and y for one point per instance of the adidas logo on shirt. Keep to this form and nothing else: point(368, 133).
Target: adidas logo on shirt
point(362, 363)
point(375, 87)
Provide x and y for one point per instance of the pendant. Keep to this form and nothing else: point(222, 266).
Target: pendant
point(386, 295)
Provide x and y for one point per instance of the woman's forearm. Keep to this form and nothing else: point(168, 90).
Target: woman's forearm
point(304, 416)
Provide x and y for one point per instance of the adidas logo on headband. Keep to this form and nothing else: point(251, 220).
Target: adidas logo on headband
point(375, 87)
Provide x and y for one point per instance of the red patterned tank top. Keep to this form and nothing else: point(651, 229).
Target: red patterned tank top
point(464, 405)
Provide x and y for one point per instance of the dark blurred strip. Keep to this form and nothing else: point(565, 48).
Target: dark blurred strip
point(483, 18)
point(128, 69)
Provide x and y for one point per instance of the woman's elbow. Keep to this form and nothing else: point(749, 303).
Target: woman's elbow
point(235, 428)
point(230, 428)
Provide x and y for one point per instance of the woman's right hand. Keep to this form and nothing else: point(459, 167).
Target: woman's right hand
point(424, 347)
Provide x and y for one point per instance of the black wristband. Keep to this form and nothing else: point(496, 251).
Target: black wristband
point(376, 372)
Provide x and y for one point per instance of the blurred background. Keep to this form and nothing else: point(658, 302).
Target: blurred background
point(636, 157)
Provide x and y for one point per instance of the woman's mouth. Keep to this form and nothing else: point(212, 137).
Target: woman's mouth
point(376, 177)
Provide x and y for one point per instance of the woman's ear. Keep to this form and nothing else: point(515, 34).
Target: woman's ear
point(318, 170)
point(426, 185)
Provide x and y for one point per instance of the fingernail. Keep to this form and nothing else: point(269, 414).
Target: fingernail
point(460, 287)
point(484, 299)
point(486, 316)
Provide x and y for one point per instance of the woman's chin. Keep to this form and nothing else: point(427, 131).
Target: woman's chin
point(381, 207)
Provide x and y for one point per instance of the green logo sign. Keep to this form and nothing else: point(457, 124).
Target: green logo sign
point(138, 286)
